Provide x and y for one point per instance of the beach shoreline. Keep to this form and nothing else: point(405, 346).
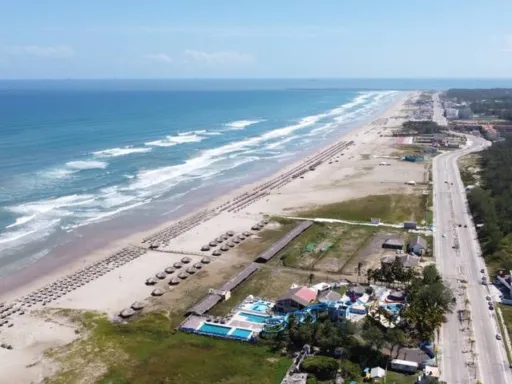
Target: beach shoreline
point(113, 277)
point(80, 254)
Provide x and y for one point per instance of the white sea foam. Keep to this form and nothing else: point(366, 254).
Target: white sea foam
point(21, 220)
point(103, 216)
point(170, 141)
point(86, 164)
point(114, 152)
point(241, 124)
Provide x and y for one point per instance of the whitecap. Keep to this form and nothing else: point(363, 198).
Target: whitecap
point(86, 164)
point(114, 152)
point(170, 141)
point(241, 124)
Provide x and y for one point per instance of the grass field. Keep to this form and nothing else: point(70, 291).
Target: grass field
point(148, 351)
point(393, 208)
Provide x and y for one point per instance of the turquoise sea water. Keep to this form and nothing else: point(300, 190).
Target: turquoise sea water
point(121, 155)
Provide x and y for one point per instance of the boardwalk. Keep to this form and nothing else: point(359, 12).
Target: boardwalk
point(283, 242)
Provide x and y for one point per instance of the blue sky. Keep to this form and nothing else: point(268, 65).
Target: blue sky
point(255, 39)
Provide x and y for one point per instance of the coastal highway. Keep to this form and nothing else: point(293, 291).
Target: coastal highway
point(438, 113)
point(457, 265)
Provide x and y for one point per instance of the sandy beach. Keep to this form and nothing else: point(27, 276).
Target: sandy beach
point(114, 277)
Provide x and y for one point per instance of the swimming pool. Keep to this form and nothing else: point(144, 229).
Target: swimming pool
point(394, 308)
point(254, 318)
point(241, 333)
point(214, 329)
point(258, 306)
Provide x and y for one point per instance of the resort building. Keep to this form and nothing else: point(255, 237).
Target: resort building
point(296, 299)
point(329, 296)
point(356, 291)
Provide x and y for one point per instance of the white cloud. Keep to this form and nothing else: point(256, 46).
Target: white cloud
point(222, 57)
point(159, 57)
point(55, 51)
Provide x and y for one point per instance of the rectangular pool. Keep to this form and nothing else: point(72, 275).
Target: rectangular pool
point(214, 329)
point(242, 333)
point(259, 319)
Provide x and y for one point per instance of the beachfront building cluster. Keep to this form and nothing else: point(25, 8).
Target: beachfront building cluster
point(255, 315)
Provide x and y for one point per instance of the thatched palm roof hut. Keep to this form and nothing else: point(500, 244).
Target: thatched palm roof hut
point(256, 227)
point(169, 270)
point(247, 233)
point(186, 260)
point(174, 281)
point(230, 233)
point(224, 248)
point(216, 253)
point(191, 270)
point(138, 305)
point(213, 244)
point(198, 266)
point(205, 260)
point(205, 248)
point(127, 312)
point(157, 292)
point(219, 240)
point(235, 240)
point(161, 275)
point(177, 265)
point(231, 244)
point(151, 281)
point(183, 276)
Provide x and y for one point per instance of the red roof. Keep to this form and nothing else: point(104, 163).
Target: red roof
point(306, 294)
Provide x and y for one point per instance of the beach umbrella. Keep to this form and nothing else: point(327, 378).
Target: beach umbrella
point(183, 276)
point(216, 253)
point(138, 305)
point(205, 248)
point(151, 281)
point(241, 237)
point(177, 265)
point(197, 266)
point(205, 260)
point(127, 312)
point(236, 241)
point(219, 240)
point(256, 227)
point(174, 281)
point(186, 260)
point(231, 244)
point(213, 244)
point(224, 248)
point(191, 270)
point(230, 233)
point(247, 233)
point(157, 292)
point(169, 270)
point(161, 275)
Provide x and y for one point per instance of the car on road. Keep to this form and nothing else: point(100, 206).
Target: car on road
point(460, 225)
point(482, 270)
point(488, 298)
point(444, 234)
point(498, 336)
point(491, 307)
point(465, 226)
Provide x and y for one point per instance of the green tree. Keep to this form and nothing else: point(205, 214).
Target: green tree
point(350, 370)
point(324, 368)
point(374, 336)
point(395, 338)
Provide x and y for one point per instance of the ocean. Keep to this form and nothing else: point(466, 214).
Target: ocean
point(100, 159)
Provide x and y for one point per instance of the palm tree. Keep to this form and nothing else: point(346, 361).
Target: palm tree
point(310, 278)
point(369, 275)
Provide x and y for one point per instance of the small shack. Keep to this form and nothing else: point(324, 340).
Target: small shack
point(418, 245)
point(393, 244)
point(377, 373)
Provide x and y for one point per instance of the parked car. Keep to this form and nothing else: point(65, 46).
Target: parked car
point(465, 226)
point(488, 298)
point(498, 336)
point(491, 307)
point(482, 270)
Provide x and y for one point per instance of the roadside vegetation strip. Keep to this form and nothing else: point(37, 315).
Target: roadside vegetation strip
point(392, 208)
point(505, 324)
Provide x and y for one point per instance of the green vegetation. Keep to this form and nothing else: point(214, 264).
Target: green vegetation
point(490, 204)
point(506, 326)
point(327, 247)
point(488, 102)
point(389, 208)
point(322, 367)
point(420, 128)
point(147, 350)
